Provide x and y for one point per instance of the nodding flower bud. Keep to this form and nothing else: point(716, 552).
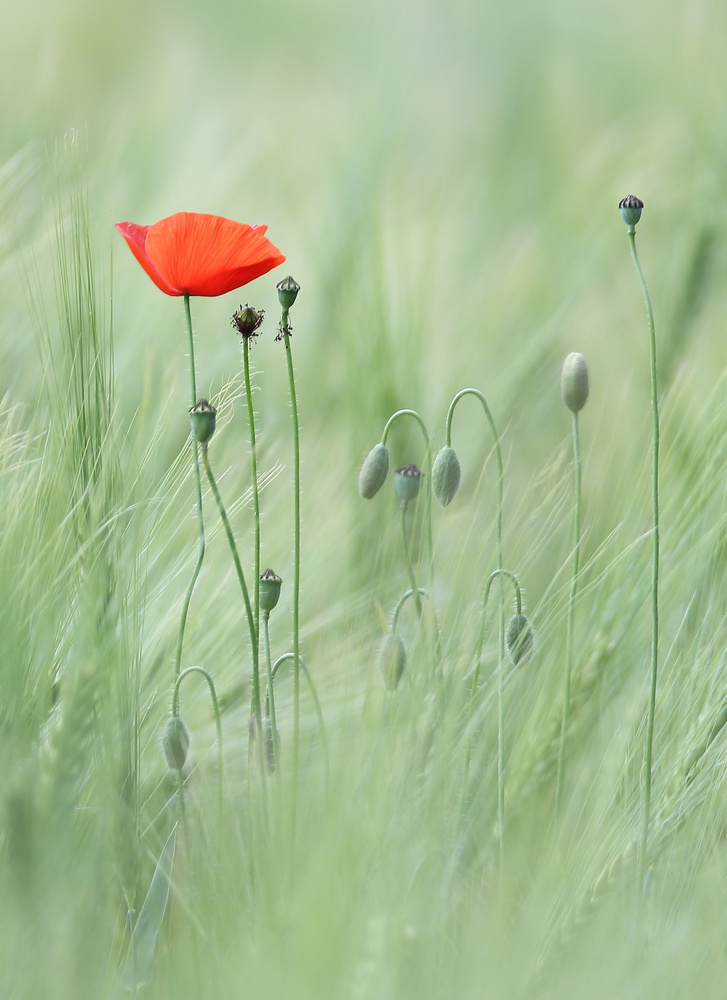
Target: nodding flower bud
point(574, 382)
point(392, 658)
point(407, 480)
point(630, 208)
point(446, 475)
point(374, 471)
point(203, 418)
point(270, 585)
point(247, 321)
point(175, 743)
point(288, 290)
point(520, 639)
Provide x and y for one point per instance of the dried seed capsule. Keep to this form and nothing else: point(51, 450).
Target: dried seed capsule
point(203, 418)
point(392, 659)
point(574, 382)
point(631, 208)
point(270, 585)
point(407, 480)
point(446, 475)
point(374, 471)
point(247, 321)
point(520, 639)
point(175, 743)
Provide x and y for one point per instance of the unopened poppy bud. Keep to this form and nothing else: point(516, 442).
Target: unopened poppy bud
point(520, 639)
point(288, 290)
point(247, 321)
point(270, 585)
point(446, 475)
point(630, 208)
point(407, 480)
point(175, 743)
point(203, 418)
point(392, 658)
point(374, 471)
point(574, 382)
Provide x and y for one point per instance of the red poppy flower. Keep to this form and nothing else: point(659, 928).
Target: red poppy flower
point(193, 254)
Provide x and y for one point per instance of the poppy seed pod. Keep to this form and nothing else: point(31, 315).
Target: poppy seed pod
point(392, 659)
point(520, 639)
point(446, 475)
point(574, 382)
point(407, 480)
point(288, 290)
point(203, 418)
point(270, 585)
point(175, 743)
point(630, 208)
point(247, 321)
point(374, 471)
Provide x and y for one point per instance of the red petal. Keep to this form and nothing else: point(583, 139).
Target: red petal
point(198, 254)
point(135, 236)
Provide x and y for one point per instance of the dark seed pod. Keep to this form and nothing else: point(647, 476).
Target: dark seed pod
point(175, 743)
point(446, 475)
point(407, 480)
point(392, 659)
point(374, 471)
point(520, 639)
point(631, 208)
point(574, 382)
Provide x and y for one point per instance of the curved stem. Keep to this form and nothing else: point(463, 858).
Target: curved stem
point(270, 695)
point(571, 612)
point(246, 598)
point(198, 486)
point(648, 753)
point(400, 604)
point(218, 718)
point(428, 464)
point(285, 327)
point(314, 694)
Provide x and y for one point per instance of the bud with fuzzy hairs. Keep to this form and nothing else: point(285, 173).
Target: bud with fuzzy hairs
point(446, 475)
point(574, 382)
point(175, 743)
point(374, 471)
point(392, 660)
point(520, 639)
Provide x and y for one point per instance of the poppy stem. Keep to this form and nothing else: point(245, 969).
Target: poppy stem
point(200, 515)
point(285, 328)
point(255, 487)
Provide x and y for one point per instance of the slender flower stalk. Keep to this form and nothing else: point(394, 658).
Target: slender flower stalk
point(288, 290)
point(218, 719)
point(631, 208)
point(406, 483)
point(198, 489)
point(428, 465)
point(574, 387)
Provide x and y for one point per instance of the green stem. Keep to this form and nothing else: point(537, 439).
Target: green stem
point(314, 695)
point(198, 485)
point(407, 559)
point(270, 696)
point(285, 327)
point(254, 479)
point(428, 463)
point(648, 754)
point(400, 604)
point(571, 613)
point(218, 718)
point(256, 700)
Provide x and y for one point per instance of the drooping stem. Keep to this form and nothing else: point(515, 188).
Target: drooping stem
point(314, 695)
point(218, 719)
point(571, 612)
point(651, 713)
point(400, 604)
point(285, 328)
point(428, 464)
point(198, 486)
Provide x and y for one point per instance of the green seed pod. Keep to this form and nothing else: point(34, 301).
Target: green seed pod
point(288, 290)
point(574, 382)
point(203, 418)
point(407, 480)
point(630, 208)
point(175, 743)
point(520, 639)
point(392, 658)
point(446, 475)
point(270, 585)
point(373, 472)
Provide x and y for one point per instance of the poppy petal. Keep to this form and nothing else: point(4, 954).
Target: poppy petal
point(197, 254)
point(135, 236)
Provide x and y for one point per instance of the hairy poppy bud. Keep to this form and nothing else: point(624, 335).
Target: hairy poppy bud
point(407, 480)
point(520, 639)
point(392, 658)
point(574, 382)
point(203, 418)
point(247, 321)
point(270, 585)
point(288, 290)
point(373, 471)
point(175, 743)
point(446, 475)
point(630, 208)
